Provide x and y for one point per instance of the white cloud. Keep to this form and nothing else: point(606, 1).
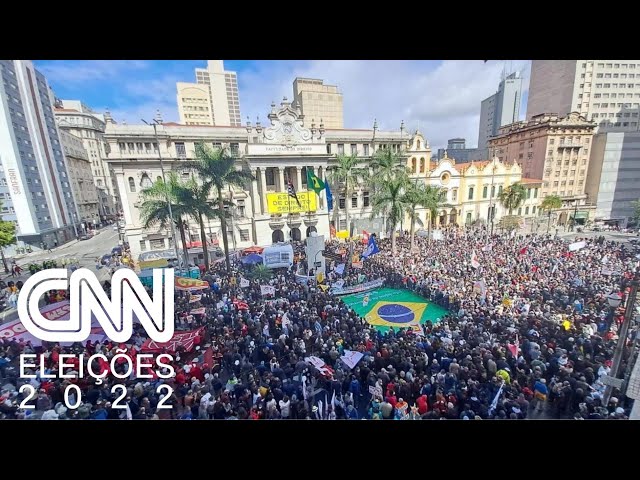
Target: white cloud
point(442, 99)
point(78, 72)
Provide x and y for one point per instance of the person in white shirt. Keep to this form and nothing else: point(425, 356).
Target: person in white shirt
point(285, 407)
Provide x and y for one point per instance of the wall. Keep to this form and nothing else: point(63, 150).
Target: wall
point(551, 87)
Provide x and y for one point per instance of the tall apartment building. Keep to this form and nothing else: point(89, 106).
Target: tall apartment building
point(319, 103)
point(501, 108)
point(553, 148)
point(78, 119)
point(35, 187)
point(614, 175)
point(84, 191)
point(605, 91)
point(212, 100)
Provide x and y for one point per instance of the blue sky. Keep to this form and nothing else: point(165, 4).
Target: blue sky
point(441, 98)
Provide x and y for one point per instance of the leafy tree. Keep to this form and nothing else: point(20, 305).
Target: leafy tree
point(347, 171)
point(550, 203)
point(389, 200)
point(416, 195)
point(513, 196)
point(260, 272)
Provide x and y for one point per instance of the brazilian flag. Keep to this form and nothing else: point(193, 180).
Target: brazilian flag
point(314, 183)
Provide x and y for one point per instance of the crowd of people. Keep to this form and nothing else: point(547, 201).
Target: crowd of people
point(529, 333)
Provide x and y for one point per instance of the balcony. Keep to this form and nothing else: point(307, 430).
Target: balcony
point(569, 145)
point(276, 222)
point(310, 219)
point(294, 220)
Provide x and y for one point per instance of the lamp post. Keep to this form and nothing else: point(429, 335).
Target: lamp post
point(491, 215)
point(173, 223)
point(622, 339)
point(614, 300)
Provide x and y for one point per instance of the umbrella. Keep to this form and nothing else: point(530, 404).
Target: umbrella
point(252, 259)
point(116, 250)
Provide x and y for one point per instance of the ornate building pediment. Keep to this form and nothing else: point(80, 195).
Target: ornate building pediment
point(286, 126)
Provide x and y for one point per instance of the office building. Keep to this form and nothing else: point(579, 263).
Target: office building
point(604, 91)
point(85, 192)
point(212, 100)
point(35, 186)
point(457, 149)
point(319, 103)
point(613, 178)
point(76, 118)
point(553, 148)
point(501, 108)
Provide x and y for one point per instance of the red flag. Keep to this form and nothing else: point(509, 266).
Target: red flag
point(365, 237)
point(332, 231)
point(523, 250)
point(241, 305)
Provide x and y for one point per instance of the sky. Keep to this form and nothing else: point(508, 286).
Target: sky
point(440, 98)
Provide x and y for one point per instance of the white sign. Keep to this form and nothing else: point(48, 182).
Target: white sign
point(375, 391)
point(351, 358)
point(244, 282)
point(577, 246)
point(266, 149)
point(88, 299)
point(267, 290)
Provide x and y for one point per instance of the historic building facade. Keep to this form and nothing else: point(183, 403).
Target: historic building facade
point(276, 154)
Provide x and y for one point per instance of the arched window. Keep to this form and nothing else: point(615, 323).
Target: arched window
point(418, 144)
point(443, 194)
point(421, 164)
point(99, 182)
point(132, 184)
point(159, 178)
point(413, 165)
point(470, 193)
point(146, 181)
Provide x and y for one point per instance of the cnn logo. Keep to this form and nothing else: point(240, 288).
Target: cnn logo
point(87, 298)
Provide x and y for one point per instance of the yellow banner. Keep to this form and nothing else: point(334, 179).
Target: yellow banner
point(184, 283)
point(160, 263)
point(283, 203)
point(342, 234)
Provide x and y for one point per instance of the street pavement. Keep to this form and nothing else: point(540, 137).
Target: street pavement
point(85, 252)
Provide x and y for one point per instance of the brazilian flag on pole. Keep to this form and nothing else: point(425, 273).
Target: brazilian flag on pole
point(314, 183)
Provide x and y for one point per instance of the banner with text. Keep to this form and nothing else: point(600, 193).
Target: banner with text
point(283, 203)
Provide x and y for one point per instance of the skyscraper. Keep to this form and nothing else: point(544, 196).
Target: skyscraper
point(212, 100)
point(318, 102)
point(35, 185)
point(501, 108)
point(605, 91)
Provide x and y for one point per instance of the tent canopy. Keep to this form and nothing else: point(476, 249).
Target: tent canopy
point(252, 259)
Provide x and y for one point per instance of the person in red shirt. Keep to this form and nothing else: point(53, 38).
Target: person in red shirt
point(392, 399)
point(423, 404)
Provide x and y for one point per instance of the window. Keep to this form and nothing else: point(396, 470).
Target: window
point(499, 190)
point(485, 191)
point(365, 199)
point(454, 194)
point(145, 182)
point(270, 176)
point(470, 193)
point(241, 208)
point(366, 150)
point(132, 184)
point(520, 211)
point(413, 165)
point(216, 145)
point(143, 245)
point(341, 149)
point(422, 166)
point(354, 202)
point(526, 210)
point(181, 150)
point(354, 149)
point(235, 148)
point(341, 203)
point(156, 244)
point(329, 148)
point(533, 209)
point(121, 146)
point(244, 235)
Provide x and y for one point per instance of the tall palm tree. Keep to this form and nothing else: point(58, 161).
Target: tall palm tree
point(347, 171)
point(385, 165)
point(390, 198)
point(550, 203)
point(513, 196)
point(154, 210)
point(217, 168)
point(417, 195)
point(196, 200)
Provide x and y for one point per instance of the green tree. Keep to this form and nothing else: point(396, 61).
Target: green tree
point(636, 211)
point(389, 200)
point(7, 237)
point(384, 165)
point(418, 194)
point(510, 222)
point(347, 173)
point(513, 196)
point(550, 203)
point(154, 210)
point(216, 167)
point(197, 202)
point(260, 272)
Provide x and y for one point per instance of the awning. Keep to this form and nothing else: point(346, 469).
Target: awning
point(581, 215)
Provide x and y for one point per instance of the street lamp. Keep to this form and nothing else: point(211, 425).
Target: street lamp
point(614, 300)
point(491, 213)
point(622, 339)
point(173, 223)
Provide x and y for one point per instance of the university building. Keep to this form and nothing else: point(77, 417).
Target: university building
point(275, 154)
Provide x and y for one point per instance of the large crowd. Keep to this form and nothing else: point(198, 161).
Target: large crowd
point(529, 333)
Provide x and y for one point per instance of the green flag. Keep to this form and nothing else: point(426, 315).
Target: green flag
point(314, 183)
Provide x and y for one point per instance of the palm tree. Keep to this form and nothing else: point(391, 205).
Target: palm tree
point(261, 273)
point(433, 202)
point(195, 198)
point(217, 168)
point(390, 198)
point(384, 166)
point(155, 208)
point(420, 195)
point(513, 196)
point(551, 202)
point(348, 172)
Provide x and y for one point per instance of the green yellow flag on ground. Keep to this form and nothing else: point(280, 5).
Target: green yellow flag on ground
point(314, 183)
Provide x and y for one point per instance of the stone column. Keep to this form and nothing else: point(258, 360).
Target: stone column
point(281, 185)
point(123, 186)
point(256, 202)
point(263, 189)
point(320, 199)
point(299, 178)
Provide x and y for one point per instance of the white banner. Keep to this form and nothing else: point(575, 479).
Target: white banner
point(267, 290)
point(351, 358)
point(375, 391)
point(577, 246)
point(319, 364)
point(244, 282)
